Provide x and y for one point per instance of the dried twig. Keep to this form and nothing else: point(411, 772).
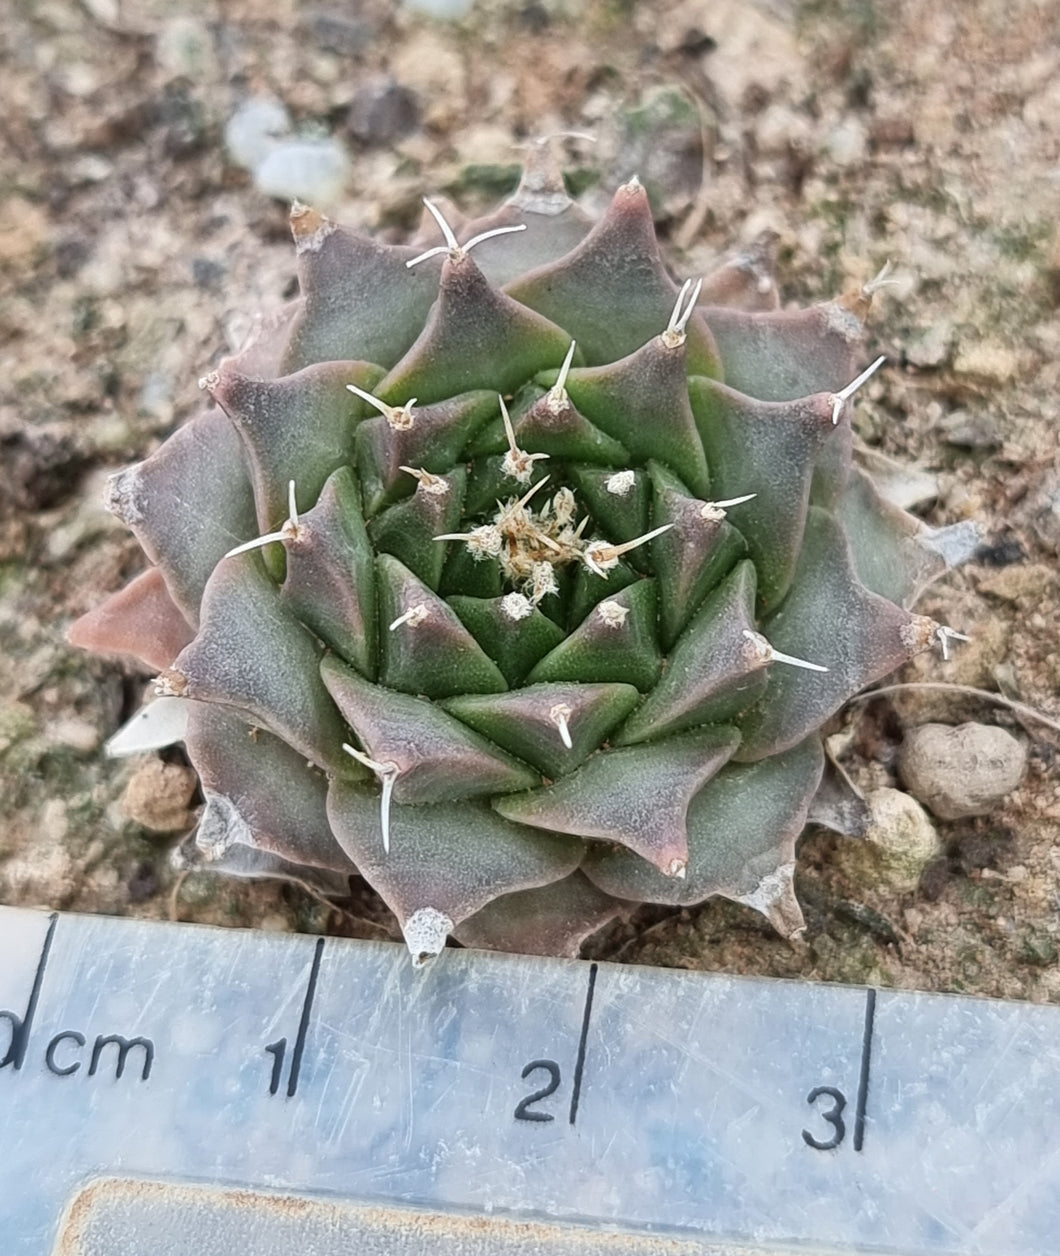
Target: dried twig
point(1018, 708)
point(686, 234)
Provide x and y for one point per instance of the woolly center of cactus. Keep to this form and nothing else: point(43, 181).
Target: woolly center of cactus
point(524, 542)
point(529, 545)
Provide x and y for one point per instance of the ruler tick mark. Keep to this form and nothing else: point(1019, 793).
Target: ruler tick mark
point(303, 1024)
point(579, 1067)
point(866, 1060)
point(278, 1049)
point(21, 1026)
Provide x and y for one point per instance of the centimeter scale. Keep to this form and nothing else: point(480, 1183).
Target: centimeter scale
point(185, 1091)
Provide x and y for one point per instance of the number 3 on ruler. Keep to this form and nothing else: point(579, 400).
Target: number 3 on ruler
point(833, 1114)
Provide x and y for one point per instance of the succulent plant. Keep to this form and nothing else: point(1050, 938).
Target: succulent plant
point(512, 576)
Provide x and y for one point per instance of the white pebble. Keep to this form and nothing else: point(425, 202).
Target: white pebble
point(451, 10)
point(254, 130)
point(847, 144)
point(314, 171)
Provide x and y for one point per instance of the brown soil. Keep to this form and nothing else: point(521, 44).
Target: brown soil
point(131, 252)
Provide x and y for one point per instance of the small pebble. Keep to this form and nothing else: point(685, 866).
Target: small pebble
point(207, 273)
point(54, 822)
point(902, 838)
point(1028, 583)
point(184, 49)
point(847, 144)
point(75, 734)
point(254, 130)
point(958, 542)
point(383, 111)
point(108, 12)
point(185, 127)
point(90, 168)
point(900, 842)
point(961, 771)
point(451, 10)
point(931, 347)
point(158, 794)
point(992, 363)
point(972, 431)
point(341, 33)
point(157, 396)
point(314, 171)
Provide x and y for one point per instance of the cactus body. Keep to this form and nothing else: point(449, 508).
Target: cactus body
point(516, 579)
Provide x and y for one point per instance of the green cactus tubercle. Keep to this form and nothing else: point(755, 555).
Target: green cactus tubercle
point(516, 579)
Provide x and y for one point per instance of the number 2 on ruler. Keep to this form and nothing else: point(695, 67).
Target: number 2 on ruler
point(524, 1110)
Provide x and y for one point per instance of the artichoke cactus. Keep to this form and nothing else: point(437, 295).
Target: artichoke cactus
point(512, 576)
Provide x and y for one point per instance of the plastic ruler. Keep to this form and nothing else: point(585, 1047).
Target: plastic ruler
point(186, 1091)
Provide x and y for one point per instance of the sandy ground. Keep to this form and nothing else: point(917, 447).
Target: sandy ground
point(132, 253)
